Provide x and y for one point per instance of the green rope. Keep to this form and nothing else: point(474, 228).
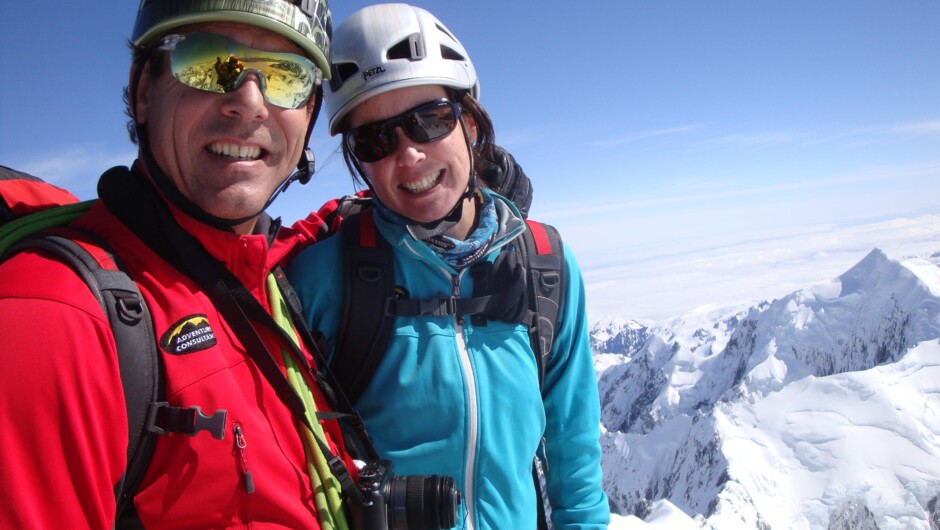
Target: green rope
point(23, 226)
point(326, 489)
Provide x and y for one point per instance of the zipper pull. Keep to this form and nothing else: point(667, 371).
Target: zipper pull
point(544, 454)
point(240, 445)
point(455, 292)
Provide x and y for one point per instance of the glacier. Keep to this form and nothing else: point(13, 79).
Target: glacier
point(819, 410)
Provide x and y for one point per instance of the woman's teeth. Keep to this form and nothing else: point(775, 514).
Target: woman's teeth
point(421, 185)
point(235, 151)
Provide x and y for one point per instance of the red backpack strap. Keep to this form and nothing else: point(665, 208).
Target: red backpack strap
point(543, 244)
point(367, 233)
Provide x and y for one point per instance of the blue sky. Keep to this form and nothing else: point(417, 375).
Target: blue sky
point(664, 138)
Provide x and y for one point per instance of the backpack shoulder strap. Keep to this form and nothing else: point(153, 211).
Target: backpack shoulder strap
point(334, 211)
point(366, 326)
point(131, 324)
point(544, 258)
point(545, 267)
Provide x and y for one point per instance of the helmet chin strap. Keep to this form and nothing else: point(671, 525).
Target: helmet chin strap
point(424, 231)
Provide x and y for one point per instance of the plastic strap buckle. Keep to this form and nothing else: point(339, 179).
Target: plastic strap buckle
point(163, 419)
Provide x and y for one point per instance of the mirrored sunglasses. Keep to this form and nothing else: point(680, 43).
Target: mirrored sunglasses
point(211, 62)
point(425, 123)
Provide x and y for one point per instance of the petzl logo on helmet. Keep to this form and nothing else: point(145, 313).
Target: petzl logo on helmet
point(372, 72)
point(188, 335)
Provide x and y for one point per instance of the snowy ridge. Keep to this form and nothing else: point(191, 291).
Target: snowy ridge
point(819, 410)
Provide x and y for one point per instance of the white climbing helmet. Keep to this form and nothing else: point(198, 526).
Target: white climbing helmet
point(389, 46)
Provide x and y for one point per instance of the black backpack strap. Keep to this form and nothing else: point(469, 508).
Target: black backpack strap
point(365, 327)
point(333, 212)
point(544, 257)
point(139, 361)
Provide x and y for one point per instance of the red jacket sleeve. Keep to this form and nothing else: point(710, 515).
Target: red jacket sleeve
point(63, 425)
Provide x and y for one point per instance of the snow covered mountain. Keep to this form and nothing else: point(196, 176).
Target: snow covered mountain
point(820, 410)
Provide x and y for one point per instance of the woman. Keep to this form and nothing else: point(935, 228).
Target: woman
point(452, 395)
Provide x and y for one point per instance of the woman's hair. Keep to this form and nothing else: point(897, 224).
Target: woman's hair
point(482, 149)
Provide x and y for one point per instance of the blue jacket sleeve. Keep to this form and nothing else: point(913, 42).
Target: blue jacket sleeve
point(572, 409)
point(317, 276)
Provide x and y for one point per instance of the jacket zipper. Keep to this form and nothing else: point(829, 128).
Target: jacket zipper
point(242, 457)
point(469, 497)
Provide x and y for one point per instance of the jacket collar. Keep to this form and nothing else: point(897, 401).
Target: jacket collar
point(509, 226)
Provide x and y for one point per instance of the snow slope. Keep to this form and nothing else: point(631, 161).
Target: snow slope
point(818, 410)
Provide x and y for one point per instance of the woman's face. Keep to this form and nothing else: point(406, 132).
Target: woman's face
point(419, 181)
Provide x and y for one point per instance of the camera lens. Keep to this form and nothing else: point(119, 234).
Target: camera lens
point(422, 503)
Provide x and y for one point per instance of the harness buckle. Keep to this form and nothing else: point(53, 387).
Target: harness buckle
point(437, 307)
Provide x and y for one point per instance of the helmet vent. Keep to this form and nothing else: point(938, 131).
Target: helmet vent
point(443, 30)
point(411, 48)
point(342, 72)
point(451, 54)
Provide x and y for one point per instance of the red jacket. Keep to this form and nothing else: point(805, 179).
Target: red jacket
point(63, 424)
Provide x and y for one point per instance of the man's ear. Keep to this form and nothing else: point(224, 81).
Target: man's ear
point(140, 92)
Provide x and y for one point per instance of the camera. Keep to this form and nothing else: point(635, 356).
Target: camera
point(414, 502)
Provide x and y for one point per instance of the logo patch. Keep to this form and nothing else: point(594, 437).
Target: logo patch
point(188, 335)
point(372, 72)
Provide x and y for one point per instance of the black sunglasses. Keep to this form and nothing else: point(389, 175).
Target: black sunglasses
point(425, 123)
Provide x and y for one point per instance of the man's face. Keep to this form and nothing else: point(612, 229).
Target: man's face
point(227, 153)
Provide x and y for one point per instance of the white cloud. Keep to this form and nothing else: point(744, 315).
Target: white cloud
point(877, 134)
point(732, 190)
point(76, 169)
point(669, 284)
point(643, 135)
point(917, 128)
point(753, 139)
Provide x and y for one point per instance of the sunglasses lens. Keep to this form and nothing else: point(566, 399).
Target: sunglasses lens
point(371, 142)
point(428, 123)
point(213, 63)
point(424, 124)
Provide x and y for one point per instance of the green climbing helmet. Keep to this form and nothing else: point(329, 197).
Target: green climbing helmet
point(307, 23)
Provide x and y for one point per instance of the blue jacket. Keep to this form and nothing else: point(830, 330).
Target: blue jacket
point(452, 398)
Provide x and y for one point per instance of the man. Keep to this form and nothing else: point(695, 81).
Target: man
point(187, 223)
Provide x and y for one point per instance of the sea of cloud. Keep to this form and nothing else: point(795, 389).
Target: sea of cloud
point(655, 288)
